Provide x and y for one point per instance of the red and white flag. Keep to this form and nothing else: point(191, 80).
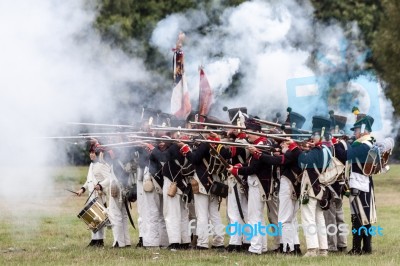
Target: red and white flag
point(180, 100)
point(205, 95)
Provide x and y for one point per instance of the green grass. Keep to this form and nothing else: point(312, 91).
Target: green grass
point(49, 233)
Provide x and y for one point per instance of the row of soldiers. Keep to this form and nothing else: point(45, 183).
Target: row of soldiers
point(180, 181)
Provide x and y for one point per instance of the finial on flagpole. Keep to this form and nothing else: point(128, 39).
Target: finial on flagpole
point(179, 42)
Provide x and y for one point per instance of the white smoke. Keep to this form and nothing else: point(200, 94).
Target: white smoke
point(55, 69)
point(275, 44)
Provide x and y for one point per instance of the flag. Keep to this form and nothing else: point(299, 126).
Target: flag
point(180, 100)
point(205, 95)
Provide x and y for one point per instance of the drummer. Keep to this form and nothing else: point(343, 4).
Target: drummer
point(97, 181)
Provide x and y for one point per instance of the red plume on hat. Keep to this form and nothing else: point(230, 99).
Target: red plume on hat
point(94, 146)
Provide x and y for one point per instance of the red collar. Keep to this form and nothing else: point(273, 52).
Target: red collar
point(292, 146)
point(260, 139)
point(214, 139)
point(241, 135)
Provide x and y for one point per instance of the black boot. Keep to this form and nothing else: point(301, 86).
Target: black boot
point(116, 245)
point(367, 238)
point(174, 246)
point(93, 243)
point(218, 248)
point(297, 250)
point(245, 247)
point(140, 243)
point(356, 249)
point(184, 246)
point(100, 243)
point(233, 248)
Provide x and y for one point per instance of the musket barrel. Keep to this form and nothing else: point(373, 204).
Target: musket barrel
point(129, 143)
point(73, 137)
point(280, 125)
point(101, 125)
point(113, 133)
point(160, 139)
point(270, 136)
point(187, 129)
point(236, 144)
point(267, 122)
point(216, 125)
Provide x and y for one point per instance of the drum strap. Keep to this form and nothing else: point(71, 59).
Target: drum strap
point(91, 193)
point(129, 214)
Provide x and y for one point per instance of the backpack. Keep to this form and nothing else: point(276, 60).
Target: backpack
point(332, 168)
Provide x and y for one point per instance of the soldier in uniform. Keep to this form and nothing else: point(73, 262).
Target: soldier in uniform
point(311, 213)
point(149, 116)
point(260, 189)
point(98, 179)
point(176, 214)
point(120, 179)
point(206, 204)
point(362, 198)
point(236, 200)
point(155, 234)
point(335, 215)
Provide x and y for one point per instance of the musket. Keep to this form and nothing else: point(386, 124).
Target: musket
point(73, 137)
point(187, 129)
point(235, 144)
point(113, 133)
point(265, 122)
point(101, 125)
point(216, 125)
point(160, 139)
point(281, 126)
point(305, 135)
point(127, 144)
point(290, 135)
point(271, 136)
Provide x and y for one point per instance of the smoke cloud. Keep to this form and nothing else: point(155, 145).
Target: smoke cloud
point(55, 69)
point(284, 58)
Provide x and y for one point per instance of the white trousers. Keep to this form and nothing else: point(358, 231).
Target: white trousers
point(313, 222)
point(288, 208)
point(139, 204)
point(334, 215)
point(234, 214)
point(155, 232)
point(207, 210)
point(258, 242)
point(119, 221)
point(176, 216)
point(139, 200)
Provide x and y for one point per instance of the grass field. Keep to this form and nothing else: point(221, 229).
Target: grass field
point(49, 233)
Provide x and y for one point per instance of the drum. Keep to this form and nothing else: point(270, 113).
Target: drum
point(94, 215)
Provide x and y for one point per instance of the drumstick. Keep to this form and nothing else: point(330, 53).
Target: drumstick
point(71, 191)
